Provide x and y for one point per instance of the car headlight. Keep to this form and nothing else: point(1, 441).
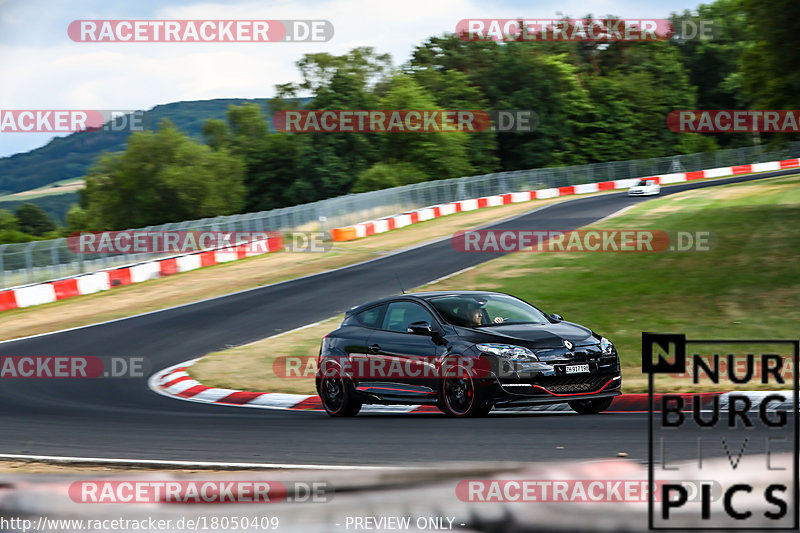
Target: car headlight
point(606, 346)
point(508, 351)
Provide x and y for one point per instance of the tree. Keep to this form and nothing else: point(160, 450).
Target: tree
point(452, 90)
point(549, 85)
point(33, 220)
point(771, 64)
point(388, 175)
point(328, 163)
point(360, 65)
point(8, 221)
point(631, 99)
point(439, 155)
point(713, 65)
point(476, 60)
point(162, 177)
point(77, 219)
point(270, 159)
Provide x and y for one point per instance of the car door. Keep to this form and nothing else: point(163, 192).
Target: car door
point(655, 187)
point(354, 338)
point(403, 364)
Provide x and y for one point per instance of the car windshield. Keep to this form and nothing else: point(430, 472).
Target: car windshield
point(642, 183)
point(482, 310)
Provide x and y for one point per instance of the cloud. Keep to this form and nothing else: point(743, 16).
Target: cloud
point(48, 71)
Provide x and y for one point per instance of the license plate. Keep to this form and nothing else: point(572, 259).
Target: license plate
point(577, 369)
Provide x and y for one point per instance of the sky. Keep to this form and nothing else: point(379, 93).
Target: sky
point(43, 69)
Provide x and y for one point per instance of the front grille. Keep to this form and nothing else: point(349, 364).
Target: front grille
point(568, 384)
point(585, 357)
point(562, 356)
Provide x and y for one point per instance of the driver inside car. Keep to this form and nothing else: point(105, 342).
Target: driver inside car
point(474, 316)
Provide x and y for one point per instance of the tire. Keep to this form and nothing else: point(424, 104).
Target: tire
point(338, 396)
point(591, 407)
point(458, 396)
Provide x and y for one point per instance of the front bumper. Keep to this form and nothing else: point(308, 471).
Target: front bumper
point(643, 193)
point(547, 380)
point(501, 396)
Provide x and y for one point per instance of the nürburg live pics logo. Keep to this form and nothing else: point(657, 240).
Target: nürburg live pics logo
point(736, 428)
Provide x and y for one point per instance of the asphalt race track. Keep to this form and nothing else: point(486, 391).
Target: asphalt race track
point(122, 418)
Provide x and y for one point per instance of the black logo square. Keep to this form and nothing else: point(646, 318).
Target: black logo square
point(659, 344)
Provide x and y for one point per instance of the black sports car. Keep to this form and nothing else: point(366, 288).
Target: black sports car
point(464, 352)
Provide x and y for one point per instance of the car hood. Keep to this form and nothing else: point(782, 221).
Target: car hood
point(531, 335)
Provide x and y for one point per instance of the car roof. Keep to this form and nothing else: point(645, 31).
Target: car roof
point(433, 294)
point(427, 295)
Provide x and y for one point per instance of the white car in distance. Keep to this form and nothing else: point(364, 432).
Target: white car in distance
point(645, 187)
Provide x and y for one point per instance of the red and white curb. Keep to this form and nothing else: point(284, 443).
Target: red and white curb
point(175, 382)
point(372, 227)
point(103, 280)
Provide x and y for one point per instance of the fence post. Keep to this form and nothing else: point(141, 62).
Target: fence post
point(81, 264)
point(29, 262)
point(54, 256)
point(2, 269)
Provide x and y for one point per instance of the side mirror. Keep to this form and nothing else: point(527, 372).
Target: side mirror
point(421, 328)
point(557, 318)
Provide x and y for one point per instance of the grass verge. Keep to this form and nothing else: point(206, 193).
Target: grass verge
point(746, 287)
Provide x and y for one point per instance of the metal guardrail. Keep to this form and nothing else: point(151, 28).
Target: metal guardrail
point(38, 261)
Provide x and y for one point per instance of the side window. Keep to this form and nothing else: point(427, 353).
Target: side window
point(369, 317)
point(400, 314)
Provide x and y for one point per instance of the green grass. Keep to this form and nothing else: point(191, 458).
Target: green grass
point(51, 189)
point(747, 287)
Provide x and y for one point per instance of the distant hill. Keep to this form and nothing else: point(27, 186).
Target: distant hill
point(56, 206)
point(71, 156)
